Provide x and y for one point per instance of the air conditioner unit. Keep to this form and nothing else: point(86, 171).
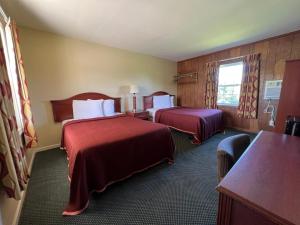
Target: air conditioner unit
point(272, 89)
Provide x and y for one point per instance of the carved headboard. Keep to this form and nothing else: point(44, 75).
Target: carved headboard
point(63, 110)
point(148, 100)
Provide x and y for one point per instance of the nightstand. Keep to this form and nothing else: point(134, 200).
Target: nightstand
point(144, 115)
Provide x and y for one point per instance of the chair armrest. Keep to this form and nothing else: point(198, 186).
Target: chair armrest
point(225, 162)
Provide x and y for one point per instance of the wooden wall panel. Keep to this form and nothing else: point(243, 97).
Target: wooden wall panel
point(274, 53)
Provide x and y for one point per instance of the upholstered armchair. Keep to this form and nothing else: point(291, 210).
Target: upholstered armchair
point(229, 151)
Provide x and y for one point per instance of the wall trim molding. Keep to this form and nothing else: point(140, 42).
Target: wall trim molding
point(45, 148)
point(30, 165)
point(13, 205)
point(243, 129)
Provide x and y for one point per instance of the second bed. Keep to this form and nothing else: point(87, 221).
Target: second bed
point(200, 123)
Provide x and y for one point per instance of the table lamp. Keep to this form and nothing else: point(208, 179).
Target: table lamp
point(134, 90)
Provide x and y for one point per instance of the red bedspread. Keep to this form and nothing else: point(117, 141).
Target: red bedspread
point(102, 151)
point(201, 123)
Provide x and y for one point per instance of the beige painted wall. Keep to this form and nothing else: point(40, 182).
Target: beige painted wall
point(58, 67)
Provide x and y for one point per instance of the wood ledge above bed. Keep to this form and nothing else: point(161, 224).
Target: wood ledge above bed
point(62, 109)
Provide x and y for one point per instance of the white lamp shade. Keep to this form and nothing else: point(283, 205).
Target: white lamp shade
point(134, 89)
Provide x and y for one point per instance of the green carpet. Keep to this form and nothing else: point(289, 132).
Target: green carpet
point(182, 193)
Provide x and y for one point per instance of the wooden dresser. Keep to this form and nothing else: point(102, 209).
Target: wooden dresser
point(263, 187)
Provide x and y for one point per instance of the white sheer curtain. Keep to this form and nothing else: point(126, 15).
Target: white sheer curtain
point(12, 71)
point(14, 173)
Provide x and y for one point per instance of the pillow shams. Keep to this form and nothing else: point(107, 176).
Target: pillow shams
point(85, 109)
point(161, 102)
point(172, 101)
point(109, 107)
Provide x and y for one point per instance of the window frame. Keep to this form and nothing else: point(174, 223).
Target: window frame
point(229, 62)
point(11, 67)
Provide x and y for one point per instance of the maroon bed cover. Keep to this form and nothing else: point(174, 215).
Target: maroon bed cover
point(201, 123)
point(102, 151)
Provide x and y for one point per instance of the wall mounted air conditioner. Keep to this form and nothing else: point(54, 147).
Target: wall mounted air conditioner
point(272, 89)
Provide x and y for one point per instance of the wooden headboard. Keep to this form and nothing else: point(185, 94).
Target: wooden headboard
point(148, 100)
point(62, 109)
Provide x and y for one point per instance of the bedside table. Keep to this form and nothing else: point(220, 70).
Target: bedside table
point(144, 115)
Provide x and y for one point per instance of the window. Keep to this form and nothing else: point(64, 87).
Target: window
point(230, 78)
point(7, 44)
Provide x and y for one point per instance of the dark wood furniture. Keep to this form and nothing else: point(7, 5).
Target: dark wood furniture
point(62, 109)
point(148, 100)
point(144, 115)
point(263, 187)
point(289, 103)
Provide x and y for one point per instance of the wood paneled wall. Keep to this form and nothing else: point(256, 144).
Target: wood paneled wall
point(274, 53)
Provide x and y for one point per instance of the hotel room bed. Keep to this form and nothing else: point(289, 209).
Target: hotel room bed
point(105, 150)
point(201, 123)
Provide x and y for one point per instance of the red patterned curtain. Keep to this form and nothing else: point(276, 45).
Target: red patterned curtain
point(211, 92)
point(13, 167)
point(29, 130)
point(249, 88)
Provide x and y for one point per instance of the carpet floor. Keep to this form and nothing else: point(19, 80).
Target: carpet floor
point(182, 193)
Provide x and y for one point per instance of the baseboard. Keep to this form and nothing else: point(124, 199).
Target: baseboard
point(45, 148)
point(23, 195)
point(31, 158)
point(243, 129)
point(11, 208)
point(30, 164)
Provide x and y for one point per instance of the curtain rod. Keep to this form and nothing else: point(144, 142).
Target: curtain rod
point(233, 58)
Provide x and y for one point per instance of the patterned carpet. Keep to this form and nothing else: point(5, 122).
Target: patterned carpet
point(182, 193)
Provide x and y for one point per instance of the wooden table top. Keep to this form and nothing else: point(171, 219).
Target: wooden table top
point(267, 177)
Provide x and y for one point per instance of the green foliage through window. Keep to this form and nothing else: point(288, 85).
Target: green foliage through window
point(230, 77)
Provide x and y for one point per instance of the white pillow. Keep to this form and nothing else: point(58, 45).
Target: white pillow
point(109, 107)
point(172, 101)
point(85, 109)
point(162, 101)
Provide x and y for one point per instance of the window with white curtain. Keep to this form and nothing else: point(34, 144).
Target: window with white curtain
point(10, 58)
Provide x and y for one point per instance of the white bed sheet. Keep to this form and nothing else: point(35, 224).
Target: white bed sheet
point(152, 112)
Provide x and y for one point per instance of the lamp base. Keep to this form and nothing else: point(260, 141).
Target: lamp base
point(134, 103)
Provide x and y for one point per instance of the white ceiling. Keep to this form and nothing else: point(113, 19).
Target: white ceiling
point(169, 29)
